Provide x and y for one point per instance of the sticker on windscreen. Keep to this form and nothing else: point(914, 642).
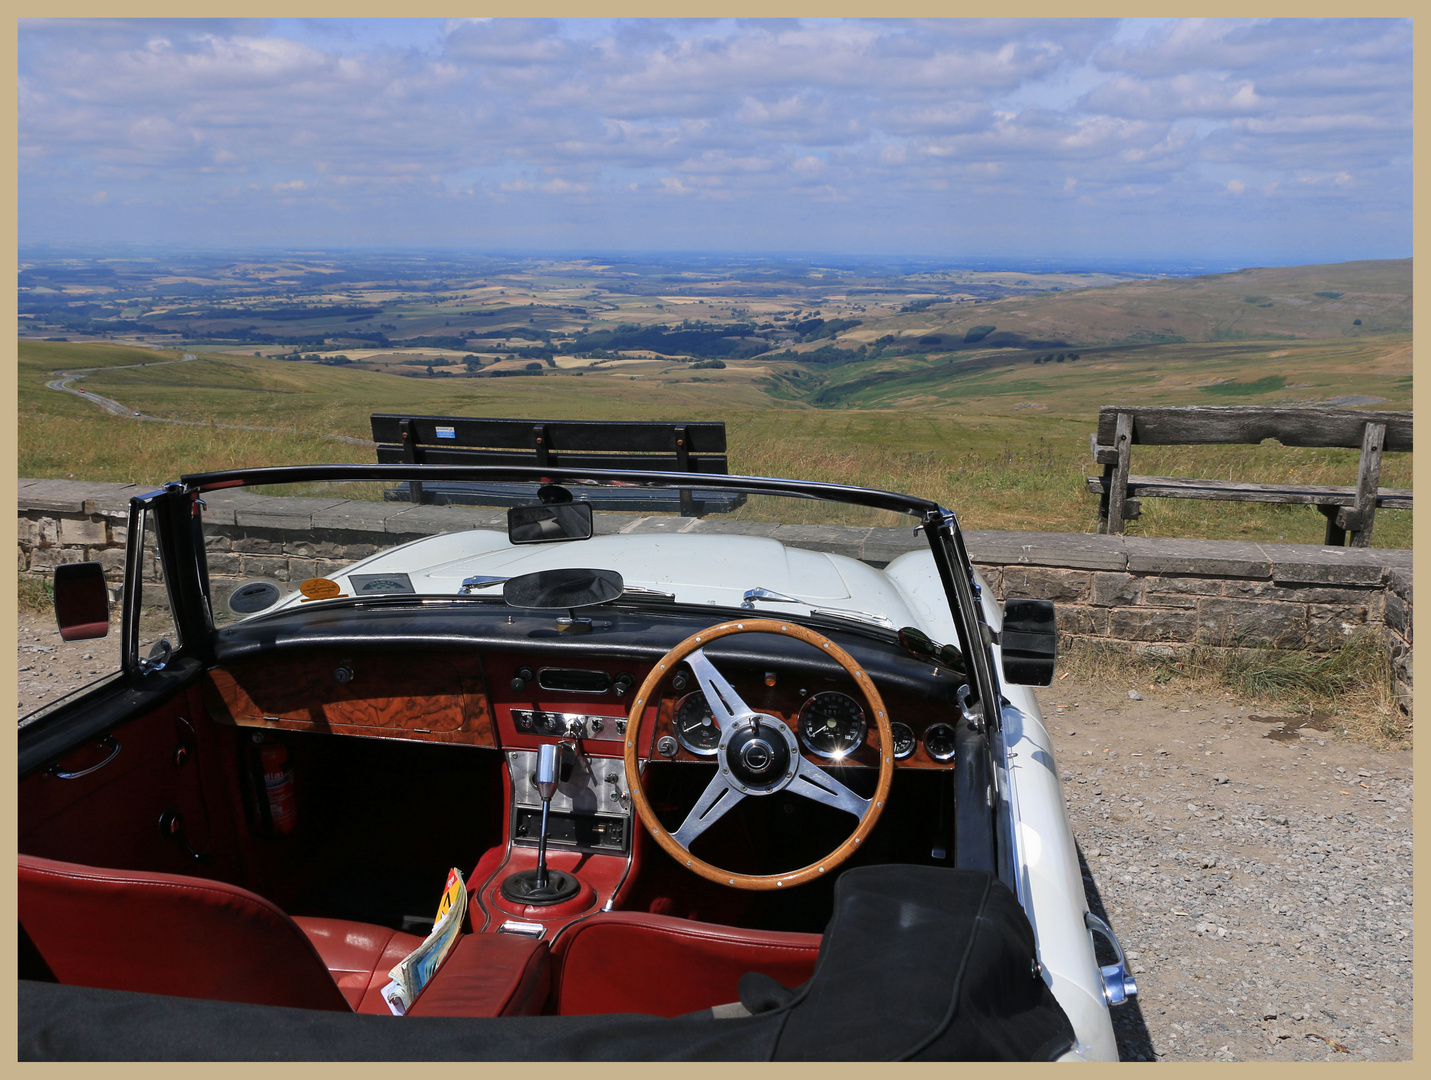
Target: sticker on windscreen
point(255, 596)
point(320, 588)
point(380, 583)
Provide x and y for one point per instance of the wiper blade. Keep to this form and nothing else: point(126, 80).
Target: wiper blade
point(770, 595)
point(640, 592)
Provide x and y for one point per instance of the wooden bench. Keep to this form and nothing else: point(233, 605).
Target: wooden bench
point(1349, 510)
point(697, 448)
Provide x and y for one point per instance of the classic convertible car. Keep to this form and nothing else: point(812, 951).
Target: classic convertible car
point(716, 790)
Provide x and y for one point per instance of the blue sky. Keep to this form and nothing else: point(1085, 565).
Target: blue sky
point(1238, 142)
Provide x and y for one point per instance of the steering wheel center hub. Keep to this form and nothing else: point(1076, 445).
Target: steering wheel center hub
point(759, 752)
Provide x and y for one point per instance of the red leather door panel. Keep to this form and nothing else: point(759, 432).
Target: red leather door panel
point(110, 817)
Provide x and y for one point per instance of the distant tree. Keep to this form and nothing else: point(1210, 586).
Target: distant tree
point(1038, 359)
point(535, 365)
point(1356, 322)
point(430, 371)
point(1073, 356)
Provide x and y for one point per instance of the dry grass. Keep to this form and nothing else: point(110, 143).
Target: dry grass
point(35, 595)
point(1353, 686)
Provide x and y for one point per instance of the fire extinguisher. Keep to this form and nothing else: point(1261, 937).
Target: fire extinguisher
point(277, 806)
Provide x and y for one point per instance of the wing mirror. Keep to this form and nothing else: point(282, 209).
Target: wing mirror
point(1029, 642)
point(81, 601)
point(551, 521)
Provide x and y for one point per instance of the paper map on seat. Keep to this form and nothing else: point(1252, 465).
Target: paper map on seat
point(416, 969)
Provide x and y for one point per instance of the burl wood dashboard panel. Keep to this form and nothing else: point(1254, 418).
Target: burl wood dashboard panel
point(430, 697)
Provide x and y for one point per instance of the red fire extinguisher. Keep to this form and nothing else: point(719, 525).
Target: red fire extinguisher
point(278, 787)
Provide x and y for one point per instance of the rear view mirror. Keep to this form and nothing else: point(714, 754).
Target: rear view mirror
point(1029, 642)
point(553, 521)
point(81, 601)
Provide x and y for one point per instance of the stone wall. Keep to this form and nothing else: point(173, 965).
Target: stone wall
point(1150, 596)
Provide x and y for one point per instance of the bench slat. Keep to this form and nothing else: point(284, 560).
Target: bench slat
point(1187, 425)
point(458, 455)
point(1174, 487)
point(703, 437)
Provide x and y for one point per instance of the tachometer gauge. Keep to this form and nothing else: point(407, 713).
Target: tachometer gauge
point(903, 739)
point(832, 725)
point(939, 741)
point(695, 727)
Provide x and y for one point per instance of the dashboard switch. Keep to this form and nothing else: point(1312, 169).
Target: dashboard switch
point(524, 675)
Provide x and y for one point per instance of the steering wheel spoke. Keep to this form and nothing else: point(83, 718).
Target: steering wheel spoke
point(815, 783)
point(725, 704)
point(718, 797)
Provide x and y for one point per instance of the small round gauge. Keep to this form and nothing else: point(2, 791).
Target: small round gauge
point(832, 725)
point(695, 726)
point(903, 739)
point(939, 741)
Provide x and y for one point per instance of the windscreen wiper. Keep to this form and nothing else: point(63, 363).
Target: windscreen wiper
point(770, 595)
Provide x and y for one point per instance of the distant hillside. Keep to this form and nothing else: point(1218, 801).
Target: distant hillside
point(1340, 300)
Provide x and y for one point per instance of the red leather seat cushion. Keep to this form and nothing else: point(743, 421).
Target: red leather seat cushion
point(169, 934)
point(359, 957)
point(635, 962)
point(489, 975)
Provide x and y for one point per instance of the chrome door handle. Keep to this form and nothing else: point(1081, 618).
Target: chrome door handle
point(108, 740)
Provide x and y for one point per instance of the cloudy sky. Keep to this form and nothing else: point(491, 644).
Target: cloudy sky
point(1243, 142)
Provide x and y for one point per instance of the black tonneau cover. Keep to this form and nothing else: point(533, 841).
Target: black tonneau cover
point(918, 963)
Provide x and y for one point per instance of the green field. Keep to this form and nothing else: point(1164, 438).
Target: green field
point(1005, 445)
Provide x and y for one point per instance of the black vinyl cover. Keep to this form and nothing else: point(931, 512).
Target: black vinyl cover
point(921, 963)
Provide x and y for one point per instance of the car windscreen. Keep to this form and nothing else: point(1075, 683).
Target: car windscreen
point(281, 546)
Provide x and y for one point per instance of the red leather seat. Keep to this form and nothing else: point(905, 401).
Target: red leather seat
point(190, 937)
point(631, 961)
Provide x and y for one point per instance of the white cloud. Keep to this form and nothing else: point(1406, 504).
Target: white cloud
point(891, 115)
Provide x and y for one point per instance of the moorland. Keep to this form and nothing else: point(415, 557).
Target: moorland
point(977, 387)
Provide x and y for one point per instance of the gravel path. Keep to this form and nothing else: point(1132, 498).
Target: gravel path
point(1259, 878)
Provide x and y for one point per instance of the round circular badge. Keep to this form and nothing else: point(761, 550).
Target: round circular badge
point(320, 588)
point(255, 596)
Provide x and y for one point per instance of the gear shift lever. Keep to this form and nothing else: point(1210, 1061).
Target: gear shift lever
point(546, 788)
point(541, 886)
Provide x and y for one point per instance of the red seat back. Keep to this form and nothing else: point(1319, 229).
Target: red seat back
point(629, 961)
point(169, 934)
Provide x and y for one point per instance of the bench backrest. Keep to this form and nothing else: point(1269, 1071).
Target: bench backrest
point(592, 444)
point(1186, 425)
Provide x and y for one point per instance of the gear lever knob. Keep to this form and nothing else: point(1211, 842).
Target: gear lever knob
point(547, 771)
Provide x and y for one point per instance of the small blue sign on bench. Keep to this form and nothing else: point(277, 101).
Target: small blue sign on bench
point(446, 433)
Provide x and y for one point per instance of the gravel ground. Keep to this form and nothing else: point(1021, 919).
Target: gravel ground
point(1257, 873)
point(1258, 877)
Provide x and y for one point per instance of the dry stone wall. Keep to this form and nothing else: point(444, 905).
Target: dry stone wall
point(1149, 595)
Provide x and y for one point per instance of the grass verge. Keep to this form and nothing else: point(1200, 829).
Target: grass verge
point(36, 596)
point(1352, 685)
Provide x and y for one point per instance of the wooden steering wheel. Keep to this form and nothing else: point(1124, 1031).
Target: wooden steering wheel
point(758, 755)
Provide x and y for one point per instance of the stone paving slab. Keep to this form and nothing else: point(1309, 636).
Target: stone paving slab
point(431, 520)
point(1079, 551)
point(115, 502)
point(357, 516)
point(62, 496)
point(283, 513)
point(1310, 564)
point(1223, 558)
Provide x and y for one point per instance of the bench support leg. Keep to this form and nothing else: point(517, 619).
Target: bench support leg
point(1336, 535)
point(1115, 487)
point(1368, 478)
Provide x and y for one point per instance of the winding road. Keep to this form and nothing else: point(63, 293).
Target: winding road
point(62, 384)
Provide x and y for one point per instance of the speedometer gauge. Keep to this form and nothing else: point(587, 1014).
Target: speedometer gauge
point(832, 725)
point(695, 726)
